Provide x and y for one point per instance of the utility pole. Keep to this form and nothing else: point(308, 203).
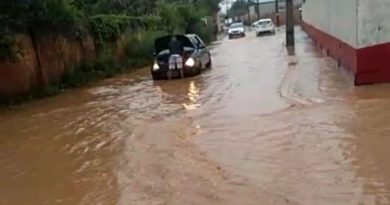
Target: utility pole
point(227, 7)
point(258, 9)
point(277, 13)
point(249, 16)
point(290, 38)
point(227, 2)
point(228, 15)
point(249, 13)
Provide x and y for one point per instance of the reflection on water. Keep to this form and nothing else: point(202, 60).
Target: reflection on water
point(193, 96)
point(253, 129)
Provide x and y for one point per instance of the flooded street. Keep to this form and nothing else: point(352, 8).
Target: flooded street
point(259, 128)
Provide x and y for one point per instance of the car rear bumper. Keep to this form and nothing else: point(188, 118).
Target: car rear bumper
point(265, 30)
point(234, 35)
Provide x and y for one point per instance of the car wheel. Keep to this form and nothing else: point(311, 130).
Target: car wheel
point(210, 63)
point(200, 68)
point(199, 71)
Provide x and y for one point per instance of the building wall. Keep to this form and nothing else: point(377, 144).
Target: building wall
point(360, 23)
point(335, 17)
point(373, 41)
point(356, 33)
point(267, 10)
point(374, 22)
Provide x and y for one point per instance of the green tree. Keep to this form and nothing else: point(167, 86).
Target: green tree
point(239, 8)
point(169, 14)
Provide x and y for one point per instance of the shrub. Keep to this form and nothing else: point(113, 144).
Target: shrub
point(91, 70)
point(7, 52)
point(140, 46)
point(52, 16)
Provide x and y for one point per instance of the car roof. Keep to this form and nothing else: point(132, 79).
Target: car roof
point(237, 23)
point(191, 35)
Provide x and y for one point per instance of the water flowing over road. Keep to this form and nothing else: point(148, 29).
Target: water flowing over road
point(259, 128)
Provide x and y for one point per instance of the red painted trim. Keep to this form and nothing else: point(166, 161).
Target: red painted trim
point(369, 65)
point(343, 53)
point(374, 64)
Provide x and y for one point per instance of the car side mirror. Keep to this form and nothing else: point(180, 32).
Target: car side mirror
point(200, 46)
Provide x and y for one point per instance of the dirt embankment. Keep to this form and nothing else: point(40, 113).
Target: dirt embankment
point(43, 61)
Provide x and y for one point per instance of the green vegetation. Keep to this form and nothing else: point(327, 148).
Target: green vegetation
point(128, 24)
point(105, 19)
point(139, 47)
point(7, 52)
point(240, 7)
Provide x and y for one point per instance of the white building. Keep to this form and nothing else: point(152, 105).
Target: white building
point(267, 7)
point(354, 32)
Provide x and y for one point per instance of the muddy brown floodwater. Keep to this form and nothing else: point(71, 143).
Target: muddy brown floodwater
point(259, 128)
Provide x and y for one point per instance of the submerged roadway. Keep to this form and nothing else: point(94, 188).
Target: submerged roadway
point(259, 128)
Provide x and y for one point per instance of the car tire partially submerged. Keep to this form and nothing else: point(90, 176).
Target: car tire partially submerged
point(209, 64)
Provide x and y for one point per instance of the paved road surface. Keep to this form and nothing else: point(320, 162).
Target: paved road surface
point(259, 128)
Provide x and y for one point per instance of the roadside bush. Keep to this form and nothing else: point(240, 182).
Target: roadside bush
point(7, 52)
point(140, 46)
point(107, 28)
point(169, 14)
point(204, 32)
point(44, 16)
point(138, 50)
point(90, 71)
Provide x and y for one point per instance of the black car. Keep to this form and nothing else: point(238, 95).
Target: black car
point(196, 57)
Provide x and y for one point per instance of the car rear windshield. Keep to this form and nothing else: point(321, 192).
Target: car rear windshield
point(264, 23)
point(237, 25)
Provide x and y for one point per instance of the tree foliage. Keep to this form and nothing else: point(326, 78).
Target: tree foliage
point(20, 15)
point(106, 19)
point(240, 7)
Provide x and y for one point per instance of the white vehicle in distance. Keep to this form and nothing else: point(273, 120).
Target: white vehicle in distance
point(236, 30)
point(254, 24)
point(265, 26)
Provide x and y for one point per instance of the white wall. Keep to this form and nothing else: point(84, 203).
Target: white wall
point(374, 22)
point(335, 17)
